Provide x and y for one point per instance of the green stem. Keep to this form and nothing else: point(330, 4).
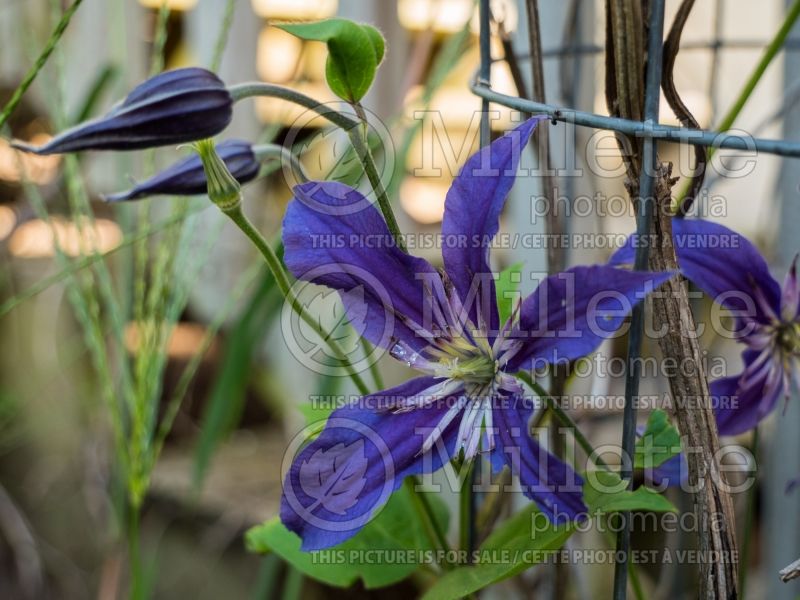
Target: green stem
point(750, 517)
point(222, 36)
point(266, 151)
point(633, 573)
point(284, 285)
point(250, 90)
point(360, 144)
point(771, 51)
point(134, 553)
point(466, 529)
point(567, 421)
point(351, 126)
point(750, 85)
point(373, 365)
point(563, 417)
point(425, 513)
point(636, 583)
point(160, 38)
point(40, 62)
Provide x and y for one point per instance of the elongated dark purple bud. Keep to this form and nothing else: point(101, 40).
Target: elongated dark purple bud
point(174, 107)
point(187, 177)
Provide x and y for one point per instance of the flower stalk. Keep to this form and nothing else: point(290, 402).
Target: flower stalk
point(226, 193)
point(567, 421)
point(750, 517)
point(352, 127)
point(432, 530)
point(360, 142)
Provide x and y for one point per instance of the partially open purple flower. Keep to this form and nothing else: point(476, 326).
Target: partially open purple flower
point(445, 325)
point(729, 268)
point(187, 177)
point(173, 107)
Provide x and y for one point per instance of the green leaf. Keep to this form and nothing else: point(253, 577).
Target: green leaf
point(318, 412)
point(354, 53)
point(528, 537)
point(394, 530)
point(605, 492)
point(506, 288)
point(511, 548)
point(314, 414)
point(660, 442)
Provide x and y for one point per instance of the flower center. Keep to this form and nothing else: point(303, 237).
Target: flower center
point(787, 338)
point(469, 366)
point(459, 359)
point(478, 369)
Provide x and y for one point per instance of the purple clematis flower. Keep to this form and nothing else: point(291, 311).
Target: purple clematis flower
point(445, 325)
point(173, 107)
point(729, 268)
point(188, 178)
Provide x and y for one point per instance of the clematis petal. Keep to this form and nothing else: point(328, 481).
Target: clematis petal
point(570, 313)
point(173, 107)
point(335, 237)
point(724, 264)
point(187, 177)
point(472, 216)
point(551, 483)
point(671, 473)
point(741, 402)
point(337, 482)
point(790, 299)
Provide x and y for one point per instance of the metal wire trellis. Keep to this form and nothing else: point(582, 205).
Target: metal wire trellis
point(641, 129)
point(480, 86)
point(652, 132)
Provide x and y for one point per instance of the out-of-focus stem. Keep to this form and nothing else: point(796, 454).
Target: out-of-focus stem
point(236, 215)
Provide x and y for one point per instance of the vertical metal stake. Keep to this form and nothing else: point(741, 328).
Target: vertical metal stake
point(644, 217)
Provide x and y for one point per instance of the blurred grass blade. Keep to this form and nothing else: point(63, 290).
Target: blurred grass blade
point(104, 79)
point(30, 76)
point(268, 578)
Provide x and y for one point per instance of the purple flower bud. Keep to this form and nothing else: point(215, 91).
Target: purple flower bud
point(187, 177)
point(173, 107)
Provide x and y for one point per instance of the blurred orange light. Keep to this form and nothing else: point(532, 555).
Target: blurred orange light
point(423, 198)
point(443, 16)
point(171, 4)
point(37, 238)
point(278, 55)
point(16, 166)
point(8, 219)
point(185, 339)
point(450, 16)
point(295, 10)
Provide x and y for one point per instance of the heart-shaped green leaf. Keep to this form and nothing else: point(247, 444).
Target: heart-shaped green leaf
point(605, 492)
point(395, 530)
point(354, 53)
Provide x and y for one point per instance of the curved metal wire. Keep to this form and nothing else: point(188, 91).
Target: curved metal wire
point(639, 129)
